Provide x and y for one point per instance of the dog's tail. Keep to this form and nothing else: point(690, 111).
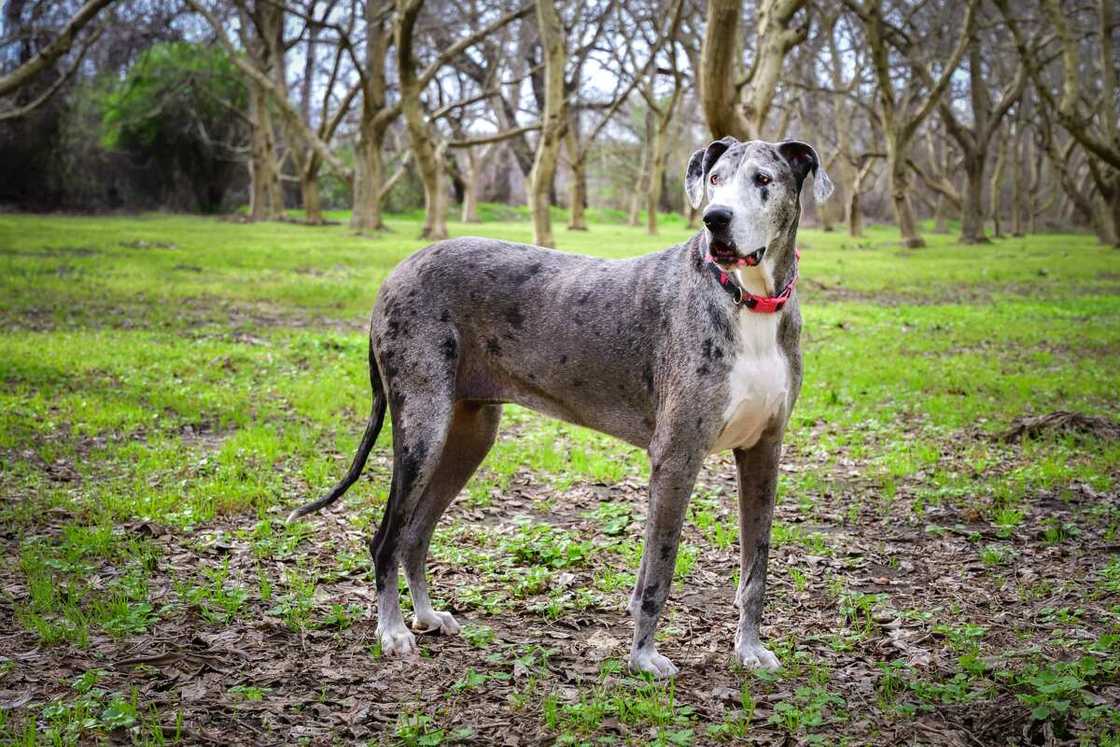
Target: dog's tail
point(373, 427)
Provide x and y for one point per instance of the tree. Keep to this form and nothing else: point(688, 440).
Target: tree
point(1089, 117)
point(737, 103)
point(903, 104)
point(332, 107)
point(377, 115)
point(180, 107)
point(46, 57)
point(262, 37)
point(427, 146)
point(973, 140)
point(663, 111)
point(554, 120)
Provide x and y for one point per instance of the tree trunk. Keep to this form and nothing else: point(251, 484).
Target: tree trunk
point(429, 159)
point(554, 121)
point(903, 209)
point(940, 220)
point(470, 187)
point(1102, 220)
point(995, 188)
point(855, 217)
point(264, 175)
point(312, 206)
point(972, 209)
point(634, 218)
point(436, 203)
point(634, 214)
point(1114, 203)
point(653, 189)
point(369, 177)
point(578, 190)
point(721, 69)
point(720, 65)
point(1017, 196)
point(657, 161)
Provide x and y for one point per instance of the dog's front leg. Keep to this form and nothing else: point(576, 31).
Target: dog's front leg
point(673, 473)
point(758, 480)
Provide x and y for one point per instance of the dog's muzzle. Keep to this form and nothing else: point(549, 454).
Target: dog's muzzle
point(725, 253)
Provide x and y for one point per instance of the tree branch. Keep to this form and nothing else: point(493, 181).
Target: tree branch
point(46, 57)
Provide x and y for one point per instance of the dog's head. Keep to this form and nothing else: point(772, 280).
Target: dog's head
point(754, 192)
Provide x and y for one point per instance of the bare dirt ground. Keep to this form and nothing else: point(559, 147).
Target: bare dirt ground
point(327, 685)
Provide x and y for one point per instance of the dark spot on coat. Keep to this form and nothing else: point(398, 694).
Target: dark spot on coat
point(666, 551)
point(514, 316)
point(649, 600)
point(584, 298)
point(720, 322)
point(449, 347)
point(445, 316)
point(703, 370)
point(492, 346)
point(577, 383)
point(563, 359)
point(647, 378)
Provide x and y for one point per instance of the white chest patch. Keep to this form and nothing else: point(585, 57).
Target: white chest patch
point(758, 383)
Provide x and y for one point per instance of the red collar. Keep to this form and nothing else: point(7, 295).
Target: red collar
point(743, 297)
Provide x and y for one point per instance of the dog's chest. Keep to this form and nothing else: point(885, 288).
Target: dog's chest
point(758, 382)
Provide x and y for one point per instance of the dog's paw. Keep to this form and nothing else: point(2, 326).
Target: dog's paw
point(432, 622)
point(756, 656)
point(654, 663)
point(398, 644)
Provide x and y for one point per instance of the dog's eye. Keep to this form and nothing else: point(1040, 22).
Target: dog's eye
point(761, 179)
point(714, 179)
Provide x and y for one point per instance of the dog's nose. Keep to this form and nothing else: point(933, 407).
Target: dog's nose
point(717, 218)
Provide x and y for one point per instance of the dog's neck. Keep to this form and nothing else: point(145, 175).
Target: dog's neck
point(777, 269)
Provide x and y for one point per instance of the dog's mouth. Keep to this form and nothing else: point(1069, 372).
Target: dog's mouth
point(726, 253)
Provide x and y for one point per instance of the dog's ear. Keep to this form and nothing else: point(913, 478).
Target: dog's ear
point(699, 165)
point(803, 159)
point(694, 179)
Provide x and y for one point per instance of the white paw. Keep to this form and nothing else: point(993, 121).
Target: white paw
point(756, 656)
point(432, 621)
point(398, 643)
point(654, 663)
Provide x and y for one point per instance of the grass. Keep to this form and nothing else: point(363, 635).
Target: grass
point(171, 385)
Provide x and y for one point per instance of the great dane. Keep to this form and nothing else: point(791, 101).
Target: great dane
point(685, 352)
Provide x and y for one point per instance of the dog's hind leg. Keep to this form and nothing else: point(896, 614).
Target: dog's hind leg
point(472, 432)
point(421, 417)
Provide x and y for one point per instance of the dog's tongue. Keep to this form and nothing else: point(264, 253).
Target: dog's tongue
point(722, 252)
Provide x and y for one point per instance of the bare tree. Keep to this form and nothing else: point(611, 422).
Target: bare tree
point(427, 146)
point(973, 140)
point(663, 111)
point(903, 105)
point(735, 102)
point(262, 36)
point(377, 115)
point(46, 58)
point(554, 120)
point(1090, 117)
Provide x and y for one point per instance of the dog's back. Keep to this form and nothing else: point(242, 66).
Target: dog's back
point(573, 336)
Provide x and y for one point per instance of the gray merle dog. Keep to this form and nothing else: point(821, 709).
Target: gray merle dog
point(686, 352)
